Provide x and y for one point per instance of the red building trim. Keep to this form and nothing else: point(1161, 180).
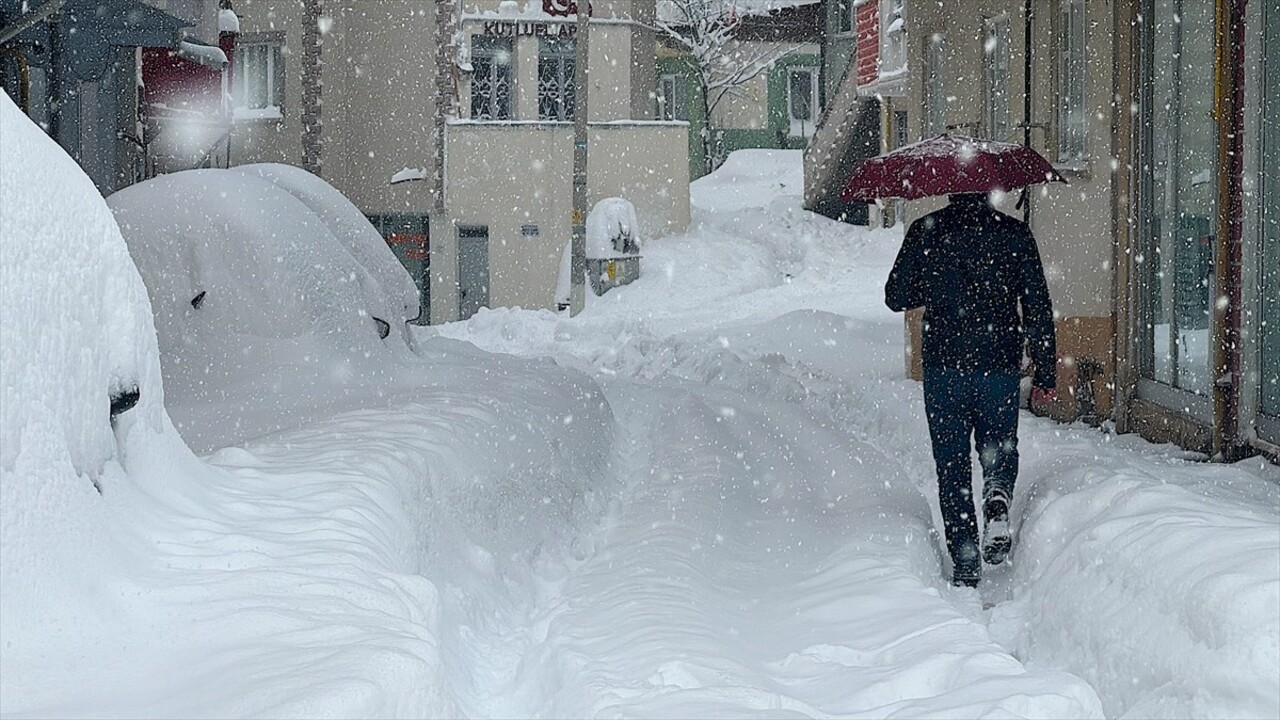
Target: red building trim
point(867, 32)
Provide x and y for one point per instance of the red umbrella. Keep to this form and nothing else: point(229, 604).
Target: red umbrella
point(946, 165)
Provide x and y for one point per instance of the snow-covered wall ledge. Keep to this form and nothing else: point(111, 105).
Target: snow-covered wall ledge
point(552, 125)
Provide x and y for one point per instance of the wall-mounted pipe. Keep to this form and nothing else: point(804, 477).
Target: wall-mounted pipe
point(1027, 19)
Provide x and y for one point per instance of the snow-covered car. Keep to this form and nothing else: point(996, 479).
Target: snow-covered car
point(81, 403)
point(272, 249)
point(261, 277)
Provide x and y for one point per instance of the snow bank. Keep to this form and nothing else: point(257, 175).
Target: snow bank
point(1159, 585)
point(767, 378)
point(75, 327)
point(266, 283)
point(749, 179)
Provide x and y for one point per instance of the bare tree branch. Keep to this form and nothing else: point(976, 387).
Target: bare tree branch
point(719, 63)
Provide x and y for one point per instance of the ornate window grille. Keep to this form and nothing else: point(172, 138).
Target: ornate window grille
point(555, 78)
point(491, 78)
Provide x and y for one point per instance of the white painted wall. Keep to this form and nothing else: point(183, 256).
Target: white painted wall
point(529, 183)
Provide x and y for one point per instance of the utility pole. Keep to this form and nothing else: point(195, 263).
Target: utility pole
point(578, 249)
point(1028, 16)
point(438, 225)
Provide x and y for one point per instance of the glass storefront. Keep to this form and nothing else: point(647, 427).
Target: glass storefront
point(1177, 261)
point(1268, 256)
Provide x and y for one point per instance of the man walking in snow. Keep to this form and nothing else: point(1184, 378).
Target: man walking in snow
point(972, 269)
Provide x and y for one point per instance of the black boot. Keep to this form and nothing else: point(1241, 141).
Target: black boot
point(966, 568)
point(997, 539)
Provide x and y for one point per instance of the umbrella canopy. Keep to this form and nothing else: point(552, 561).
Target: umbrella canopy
point(947, 165)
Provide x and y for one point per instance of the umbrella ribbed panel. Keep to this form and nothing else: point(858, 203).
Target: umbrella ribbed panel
point(948, 165)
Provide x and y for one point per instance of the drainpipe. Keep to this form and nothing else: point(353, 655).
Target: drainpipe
point(1027, 17)
point(1229, 114)
point(578, 236)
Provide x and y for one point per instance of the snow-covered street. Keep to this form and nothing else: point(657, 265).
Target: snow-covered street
point(711, 494)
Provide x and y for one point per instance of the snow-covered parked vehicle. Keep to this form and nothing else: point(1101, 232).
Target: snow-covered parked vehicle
point(81, 410)
point(261, 277)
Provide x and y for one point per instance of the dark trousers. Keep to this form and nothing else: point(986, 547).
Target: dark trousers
point(984, 406)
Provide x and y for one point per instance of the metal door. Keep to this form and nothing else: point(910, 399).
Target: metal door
point(473, 269)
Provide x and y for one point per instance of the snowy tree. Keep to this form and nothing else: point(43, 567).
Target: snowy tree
point(719, 64)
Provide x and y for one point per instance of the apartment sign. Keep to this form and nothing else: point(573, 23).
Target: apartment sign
point(509, 28)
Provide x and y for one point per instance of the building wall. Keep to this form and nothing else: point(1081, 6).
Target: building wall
point(377, 109)
point(617, 57)
point(1074, 223)
point(378, 71)
point(529, 183)
point(273, 139)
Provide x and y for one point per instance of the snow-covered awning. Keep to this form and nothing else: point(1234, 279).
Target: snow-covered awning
point(206, 55)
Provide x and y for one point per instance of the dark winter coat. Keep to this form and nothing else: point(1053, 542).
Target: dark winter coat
point(970, 266)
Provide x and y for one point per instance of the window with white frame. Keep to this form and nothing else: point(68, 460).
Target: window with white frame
point(491, 77)
point(935, 86)
point(996, 72)
point(555, 78)
point(844, 15)
point(893, 36)
point(258, 88)
point(1073, 33)
point(802, 100)
point(671, 101)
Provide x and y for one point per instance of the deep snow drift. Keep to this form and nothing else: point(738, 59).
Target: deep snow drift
point(709, 494)
point(266, 283)
point(75, 327)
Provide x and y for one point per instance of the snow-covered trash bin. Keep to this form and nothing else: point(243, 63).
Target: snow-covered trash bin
point(613, 245)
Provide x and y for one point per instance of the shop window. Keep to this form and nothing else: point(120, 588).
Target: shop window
point(1268, 255)
point(555, 78)
point(1176, 264)
point(491, 78)
point(259, 79)
point(1072, 116)
point(996, 72)
point(802, 100)
point(408, 236)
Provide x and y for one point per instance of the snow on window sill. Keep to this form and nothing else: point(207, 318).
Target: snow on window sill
point(1078, 168)
point(267, 113)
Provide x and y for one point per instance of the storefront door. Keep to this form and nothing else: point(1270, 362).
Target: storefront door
point(1176, 273)
point(1268, 256)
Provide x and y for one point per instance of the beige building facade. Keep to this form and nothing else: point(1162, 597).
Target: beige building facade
point(356, 102)
point(967, 72)
point(1163, 250)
